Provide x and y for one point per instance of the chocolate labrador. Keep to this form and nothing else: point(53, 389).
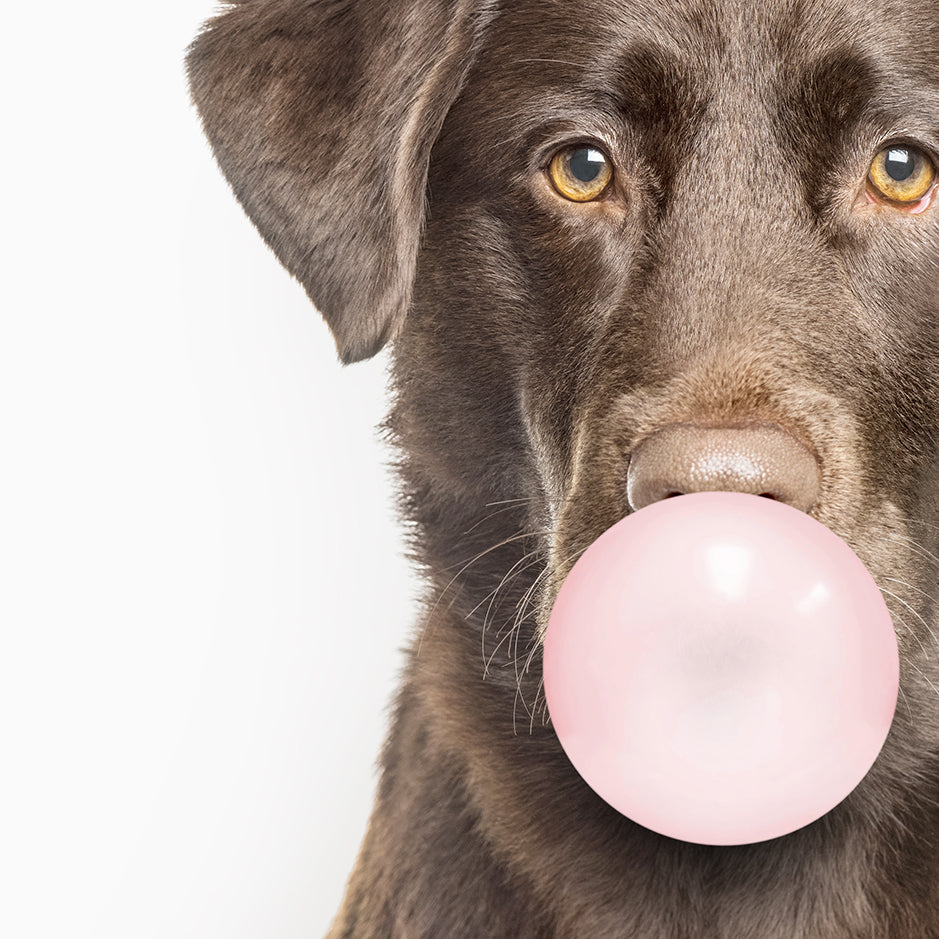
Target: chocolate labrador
point(609, 240)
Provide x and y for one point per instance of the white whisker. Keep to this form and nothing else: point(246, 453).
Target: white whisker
point(508, 504)
point(928, 596)
point(928, 682)
point(487, 621)
point(919, 522)
point(533, 647)
point(907, 702)
point(917, 615)
point(915, 545)
point(430, 617)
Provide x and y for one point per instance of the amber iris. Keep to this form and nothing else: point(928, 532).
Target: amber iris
point(580, 173)
point(902, 174)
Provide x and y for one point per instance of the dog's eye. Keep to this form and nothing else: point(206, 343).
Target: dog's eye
point(901, 174)
point(580, 173)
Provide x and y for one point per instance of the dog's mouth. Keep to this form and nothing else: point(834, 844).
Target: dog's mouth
point(891, 572)
point(756, 432)
point(722, 638)
point(756, 457)
point(797, 446)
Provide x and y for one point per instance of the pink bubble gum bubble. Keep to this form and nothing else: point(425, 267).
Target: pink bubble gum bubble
point(721, 668)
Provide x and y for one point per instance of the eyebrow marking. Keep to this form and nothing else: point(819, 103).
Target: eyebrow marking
point(655, 86)
point(665, 99)
point(818, 112)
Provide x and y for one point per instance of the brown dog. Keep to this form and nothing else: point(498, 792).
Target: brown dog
point(609, 240)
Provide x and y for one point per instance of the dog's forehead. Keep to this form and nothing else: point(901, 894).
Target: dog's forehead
point(672, 67)
point(717, 25)
point(714, 36)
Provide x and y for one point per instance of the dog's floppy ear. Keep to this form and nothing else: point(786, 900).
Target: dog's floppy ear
point(322, 114)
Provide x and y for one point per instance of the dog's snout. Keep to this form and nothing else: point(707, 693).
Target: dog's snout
point(762, 459)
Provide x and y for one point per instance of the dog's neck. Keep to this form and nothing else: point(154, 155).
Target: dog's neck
point(851, 874)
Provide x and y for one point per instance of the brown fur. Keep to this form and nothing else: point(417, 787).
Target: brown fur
point(391, 152)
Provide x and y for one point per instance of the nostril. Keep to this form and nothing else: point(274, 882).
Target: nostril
point(762, 459)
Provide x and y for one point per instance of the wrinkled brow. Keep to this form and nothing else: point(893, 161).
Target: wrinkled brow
point(654, 86)
point(820, 107)
point(830, 92)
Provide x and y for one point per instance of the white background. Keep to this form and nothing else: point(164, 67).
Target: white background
point(203, 594)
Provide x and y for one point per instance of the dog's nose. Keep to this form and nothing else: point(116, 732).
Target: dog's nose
point(763, 459)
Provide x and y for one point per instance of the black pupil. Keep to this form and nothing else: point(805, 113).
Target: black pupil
point(586, 164)
point(899, 165)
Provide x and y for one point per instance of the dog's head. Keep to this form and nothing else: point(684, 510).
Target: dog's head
point(623, 249)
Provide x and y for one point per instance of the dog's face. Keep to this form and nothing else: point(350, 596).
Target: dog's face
point(652, 232)
point(740, 266)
